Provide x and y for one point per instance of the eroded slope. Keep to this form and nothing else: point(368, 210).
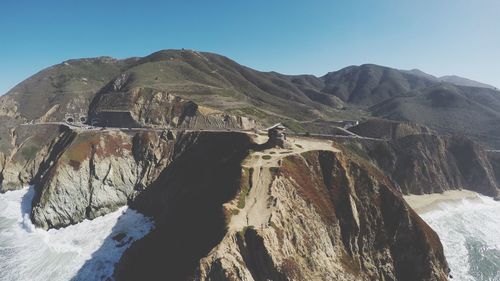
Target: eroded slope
point(288, 215)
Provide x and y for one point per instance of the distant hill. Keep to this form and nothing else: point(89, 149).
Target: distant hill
point(208, 79)
point(420, 73)
point(369, 84)
point(449, 108)
point(452, 79)
point(68, 86)
point(460, 81)
point(302, 102)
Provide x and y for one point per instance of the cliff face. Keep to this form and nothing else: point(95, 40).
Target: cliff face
point(310, 215)
point(421, 161)
point(221, 214)
point(186, 202)
point(118, 105)
point(494, 158)
point(67, 87)
point(89, 174)
point(45, 97)
point(23, 153)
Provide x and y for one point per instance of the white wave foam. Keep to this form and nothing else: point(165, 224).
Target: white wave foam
point(85, 251)
point(469, 231)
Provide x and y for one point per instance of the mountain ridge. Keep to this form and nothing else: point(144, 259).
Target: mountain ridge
point(176, 135)
point(303, 102)
point(451, 78)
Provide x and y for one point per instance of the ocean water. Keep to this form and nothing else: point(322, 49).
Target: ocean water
point(470, 232)
point(86, 251)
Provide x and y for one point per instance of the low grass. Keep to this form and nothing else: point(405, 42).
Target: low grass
point(29, 152)
point(244, 187)
point(80, 148)
point(253, 111)
point(357, 150)
point(294, 125)
point(266, 157)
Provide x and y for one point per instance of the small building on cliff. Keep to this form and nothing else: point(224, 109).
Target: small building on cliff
point(277, 136)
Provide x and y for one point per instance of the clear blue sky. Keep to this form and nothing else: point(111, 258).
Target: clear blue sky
point(437, 36)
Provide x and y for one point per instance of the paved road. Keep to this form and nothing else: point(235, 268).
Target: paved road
point(353, 136)
point(94, 128)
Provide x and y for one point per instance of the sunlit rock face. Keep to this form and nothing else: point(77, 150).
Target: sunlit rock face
point(21, 157)
point(309, 216)
point(422, 161)
point(145, 107)
point(93, 173)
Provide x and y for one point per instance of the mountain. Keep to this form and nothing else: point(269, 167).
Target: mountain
point(467, 111)
point(460, 81)
point(65, 87)
point(207, 79)
point(217, 82)
point(420, 73)
point(452, 79)
point(420, 98)
point(302, 102)
point(369, 84)
point(189, 89)
point(226, 208)
point(177, 136)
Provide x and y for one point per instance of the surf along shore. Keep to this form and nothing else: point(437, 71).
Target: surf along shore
point(429, 202)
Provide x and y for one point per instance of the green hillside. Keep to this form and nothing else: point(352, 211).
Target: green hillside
point(302, 102)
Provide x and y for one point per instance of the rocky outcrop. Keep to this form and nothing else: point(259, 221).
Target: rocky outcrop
point(8, 107)
point(117, 106)
point(45, 97)
point(186, 202)
point(420, 161)
point(23, 154)
point(494, 158)
point(92, 173)
point(318, 215)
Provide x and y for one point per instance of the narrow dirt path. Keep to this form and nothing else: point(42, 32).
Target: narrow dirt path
point(257, 202)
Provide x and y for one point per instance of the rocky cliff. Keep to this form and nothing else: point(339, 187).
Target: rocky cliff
point(88, 174)
point(421, 161)
point(189, 89)
point(225, 209)
point(294, 215)
point(24, 151)
point(121, 105)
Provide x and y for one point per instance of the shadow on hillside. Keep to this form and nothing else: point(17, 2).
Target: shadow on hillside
point(187, 203)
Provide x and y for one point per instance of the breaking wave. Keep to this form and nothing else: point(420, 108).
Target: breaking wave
point(85, 251)
point(470, 233)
